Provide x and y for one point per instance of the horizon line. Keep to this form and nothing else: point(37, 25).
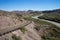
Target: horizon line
point(29, 9)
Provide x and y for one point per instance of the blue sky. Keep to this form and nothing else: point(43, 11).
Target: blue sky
point(10, 5)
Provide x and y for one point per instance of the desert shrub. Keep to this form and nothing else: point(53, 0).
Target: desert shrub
point(37, 28)
point(53, 33)
point(44, 37)
point(27, 18)
point(6, 39)
point(14, 37)
point(23, 29)
point(19, 16)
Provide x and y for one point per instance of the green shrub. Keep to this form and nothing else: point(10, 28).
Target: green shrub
point(6, 39)
point(19, 16)
point(53, 33)
point(44, 37)
point(37, 28)
point(14, 37)
point(23, 29)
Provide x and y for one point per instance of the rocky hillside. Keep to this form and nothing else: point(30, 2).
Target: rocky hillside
point(22, 27)
point(9, 21)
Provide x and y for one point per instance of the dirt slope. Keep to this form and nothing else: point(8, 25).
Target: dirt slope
point(30, 34)
point(10, 21)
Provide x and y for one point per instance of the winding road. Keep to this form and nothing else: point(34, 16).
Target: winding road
point(55, 23)
point(8, 30)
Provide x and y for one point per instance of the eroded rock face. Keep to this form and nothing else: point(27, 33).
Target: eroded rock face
point(12, 21)
point(30, 33)
point(8, 22)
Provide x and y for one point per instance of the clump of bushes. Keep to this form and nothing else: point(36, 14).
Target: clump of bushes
point(53, 33)
point(44, 37)
point(23, 29)
point(27, 18)
point(19, 16)
point(6, 39)
point(50, 32)
point(14, 37)
point(37, 28)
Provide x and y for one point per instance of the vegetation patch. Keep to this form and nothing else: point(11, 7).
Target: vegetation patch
point(14, 37)
point(51, 17)
point(23, 29)
point(49, 31)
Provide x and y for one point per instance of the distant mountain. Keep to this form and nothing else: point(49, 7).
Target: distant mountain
point(38, 12)
point(52, 11)
point(33, 12)
point(26, 12)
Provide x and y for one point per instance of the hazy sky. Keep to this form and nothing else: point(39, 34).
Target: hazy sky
point(29, 4)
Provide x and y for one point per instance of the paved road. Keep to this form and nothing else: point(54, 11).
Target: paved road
point(55, 23)
point(36, 17)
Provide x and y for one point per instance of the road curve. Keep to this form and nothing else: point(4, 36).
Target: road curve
point(55, 23)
